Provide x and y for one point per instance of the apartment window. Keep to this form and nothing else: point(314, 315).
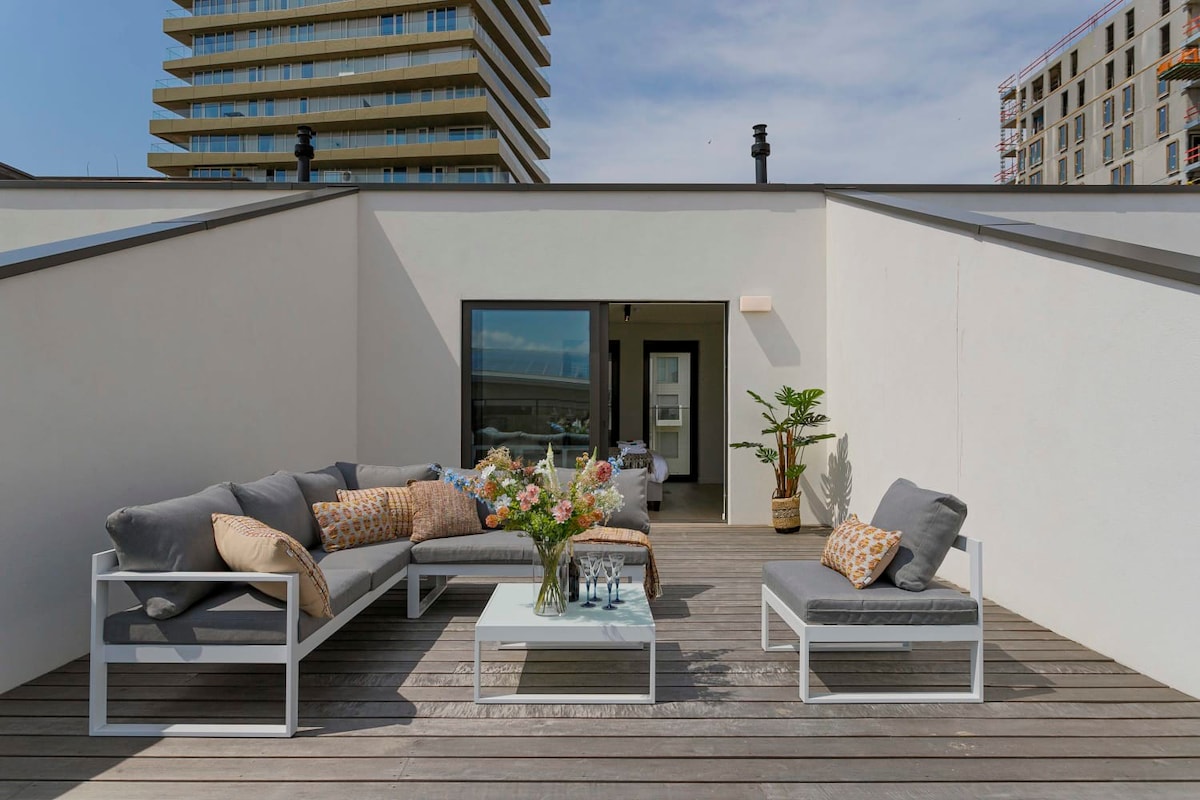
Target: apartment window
point(301, 33)
point(1127, 139)
point(1039, 90)
point(1066, 103)
point(391, 24)
point(1164, 88)
point(1080, 128)
point(1062, 170)
point(1114, 177)
point(1035, 153)
point(303, 105)
point(1127, 173)
point(1036, 178)
point(1129, 63)
point(1165, 8)
point(1110, 41)
point(266, 143)
point(1074, 63)
point(1110, 75)
point(1127, 100)
point(1062, 138)
point(1164, 40)
point(306, 69)
point(1082, 86)
point(441, 19)
point(277, 176)
point(1039, 121)
point(1172, 158)
point(1056, 76)
point(1107, 111)
point(1163, 120)
point(1108, 148)
point(1129, 25)
point(1021, 160)
point(1078, 163)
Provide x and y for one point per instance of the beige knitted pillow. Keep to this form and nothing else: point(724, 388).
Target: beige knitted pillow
point(247, 545)
point(440, 511)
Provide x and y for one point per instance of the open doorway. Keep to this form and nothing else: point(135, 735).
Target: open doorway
point(666, 393)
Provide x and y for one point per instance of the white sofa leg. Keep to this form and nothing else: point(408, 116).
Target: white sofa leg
point(804, 659)
point(98, 667)
point(292, 696)
point(977, 671)
point(766, 625)
point(414, 593)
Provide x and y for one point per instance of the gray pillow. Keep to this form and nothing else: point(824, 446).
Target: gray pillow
point(176, 536)
point(276, 500)
point(635, 514)
point(318, 486)
point(928, 522)
point(367, 476)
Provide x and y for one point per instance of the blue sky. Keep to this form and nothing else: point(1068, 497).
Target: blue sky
point(643, 90)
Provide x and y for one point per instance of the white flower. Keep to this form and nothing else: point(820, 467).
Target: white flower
point(508, 482)
point(487, 471)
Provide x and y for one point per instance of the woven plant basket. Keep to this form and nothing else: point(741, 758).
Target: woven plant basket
point(785, 514)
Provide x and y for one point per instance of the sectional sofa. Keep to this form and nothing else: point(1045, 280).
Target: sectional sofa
point(193, 609)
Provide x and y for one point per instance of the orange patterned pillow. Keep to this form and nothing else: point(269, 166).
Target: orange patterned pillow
point(353, 522)
point(398, 500)
point(440, 510)
point(247, 545)
point(860, 552)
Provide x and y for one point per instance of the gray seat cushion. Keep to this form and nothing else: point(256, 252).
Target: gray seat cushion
point(928, 522)
point(822, 596)
point(172, 536)
point(382, 560)
point(501, 547)
point(277, 501)
point(368, 476)
point(345, 586)
point(633, 486)
point(317, 487)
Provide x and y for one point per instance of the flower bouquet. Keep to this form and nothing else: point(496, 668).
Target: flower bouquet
point(532, 500)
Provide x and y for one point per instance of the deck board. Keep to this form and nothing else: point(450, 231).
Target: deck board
point(386, 706)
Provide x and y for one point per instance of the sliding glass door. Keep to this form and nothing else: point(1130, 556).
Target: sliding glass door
point(533, 376)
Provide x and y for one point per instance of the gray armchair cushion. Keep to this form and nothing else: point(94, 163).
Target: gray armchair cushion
point(172, 536)
point(928, 522)
point(822, 596)
point(367, 476)
point(382, 560)
point(277, 501)
point(317, 487)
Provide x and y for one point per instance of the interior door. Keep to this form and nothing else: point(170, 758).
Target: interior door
point(671, 382)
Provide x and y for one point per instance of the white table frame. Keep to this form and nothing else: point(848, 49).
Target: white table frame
point(509, 618)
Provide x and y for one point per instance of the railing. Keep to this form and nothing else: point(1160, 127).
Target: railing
point(167, 147)
point(1192, 156)
point(1192, 27)
point(165, 113)
point(327, 142)
point(1008, 84)
point(1006, 175)
point(1192, 117)
point(1009, 142)
point(1188, 55)
point(380, 176)
point(1085, 27)
point(171, 83)
point(270, 107)
point(1008, 112)
point(209, 9)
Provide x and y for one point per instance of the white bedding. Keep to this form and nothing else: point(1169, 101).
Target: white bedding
point(659, 472)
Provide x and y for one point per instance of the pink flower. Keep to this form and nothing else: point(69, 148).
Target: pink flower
point(603, 471)
point(562, 511)
point(528, 496)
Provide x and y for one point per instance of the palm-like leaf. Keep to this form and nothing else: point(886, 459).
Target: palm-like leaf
point(788, 433)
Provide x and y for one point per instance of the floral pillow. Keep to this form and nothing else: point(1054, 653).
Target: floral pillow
point(353, 522)
point(860, 552)
point(397, 500)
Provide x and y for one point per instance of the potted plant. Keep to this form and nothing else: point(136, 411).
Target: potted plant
point(787, 424)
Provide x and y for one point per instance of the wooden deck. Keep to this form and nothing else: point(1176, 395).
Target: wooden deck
point(387, 710)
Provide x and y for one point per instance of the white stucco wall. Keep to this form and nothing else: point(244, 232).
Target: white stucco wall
point(1055, 397)
point(1165, 220)
point(151, 373)
point(36, 216)
point(423, 254)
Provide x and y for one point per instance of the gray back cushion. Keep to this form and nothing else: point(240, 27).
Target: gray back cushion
point(332, 471)
point(317, 487)
point(631, 483)
point(176, 536)
point(928, 522)
point(367, 476)
point(277, 501)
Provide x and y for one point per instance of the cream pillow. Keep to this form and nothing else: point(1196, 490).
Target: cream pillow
point(247, 545)
point(860, 552)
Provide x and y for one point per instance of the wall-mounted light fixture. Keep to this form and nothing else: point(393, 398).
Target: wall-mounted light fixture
point(628, 311)
point(754, 303)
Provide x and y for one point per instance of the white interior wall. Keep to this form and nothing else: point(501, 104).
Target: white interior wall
point(710, 422)
point(1056, 397)
point(1165, 220)
point(151, 373)
point(423, 254)
point(30, 217)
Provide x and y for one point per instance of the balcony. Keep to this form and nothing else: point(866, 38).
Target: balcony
point(1008, 145)
point(1183, 65)
point(172, 335)
point(1007, 175)
point(1191, 31)
point(1008, 115)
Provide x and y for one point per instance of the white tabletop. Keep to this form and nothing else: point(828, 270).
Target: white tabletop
point(509, 617)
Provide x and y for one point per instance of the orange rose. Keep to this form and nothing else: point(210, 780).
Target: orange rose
point(492, 521)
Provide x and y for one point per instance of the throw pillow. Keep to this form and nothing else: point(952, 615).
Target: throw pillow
point(397, 499)
point(929, 521)
point(859, 551)
point(248, 545)
point(440, 510)
point(351, 523)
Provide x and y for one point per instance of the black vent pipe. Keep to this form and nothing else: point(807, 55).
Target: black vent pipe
point(304, 153)
point(760, 150)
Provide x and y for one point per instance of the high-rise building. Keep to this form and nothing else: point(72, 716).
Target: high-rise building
point(397, 91)
point(1112, 102)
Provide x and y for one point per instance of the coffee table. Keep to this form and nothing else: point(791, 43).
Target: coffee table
point(509, 618)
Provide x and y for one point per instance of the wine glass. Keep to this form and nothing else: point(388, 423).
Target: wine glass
point(609, 573)
point(588, 564)
point(616, 561)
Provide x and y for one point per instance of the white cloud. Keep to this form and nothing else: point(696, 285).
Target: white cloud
point(852, 90)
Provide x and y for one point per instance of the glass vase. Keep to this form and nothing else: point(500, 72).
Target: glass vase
point(551, 600)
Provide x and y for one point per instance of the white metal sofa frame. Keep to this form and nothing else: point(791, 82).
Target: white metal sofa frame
point(842, 637)
point(418, 605)
point(104, 572)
